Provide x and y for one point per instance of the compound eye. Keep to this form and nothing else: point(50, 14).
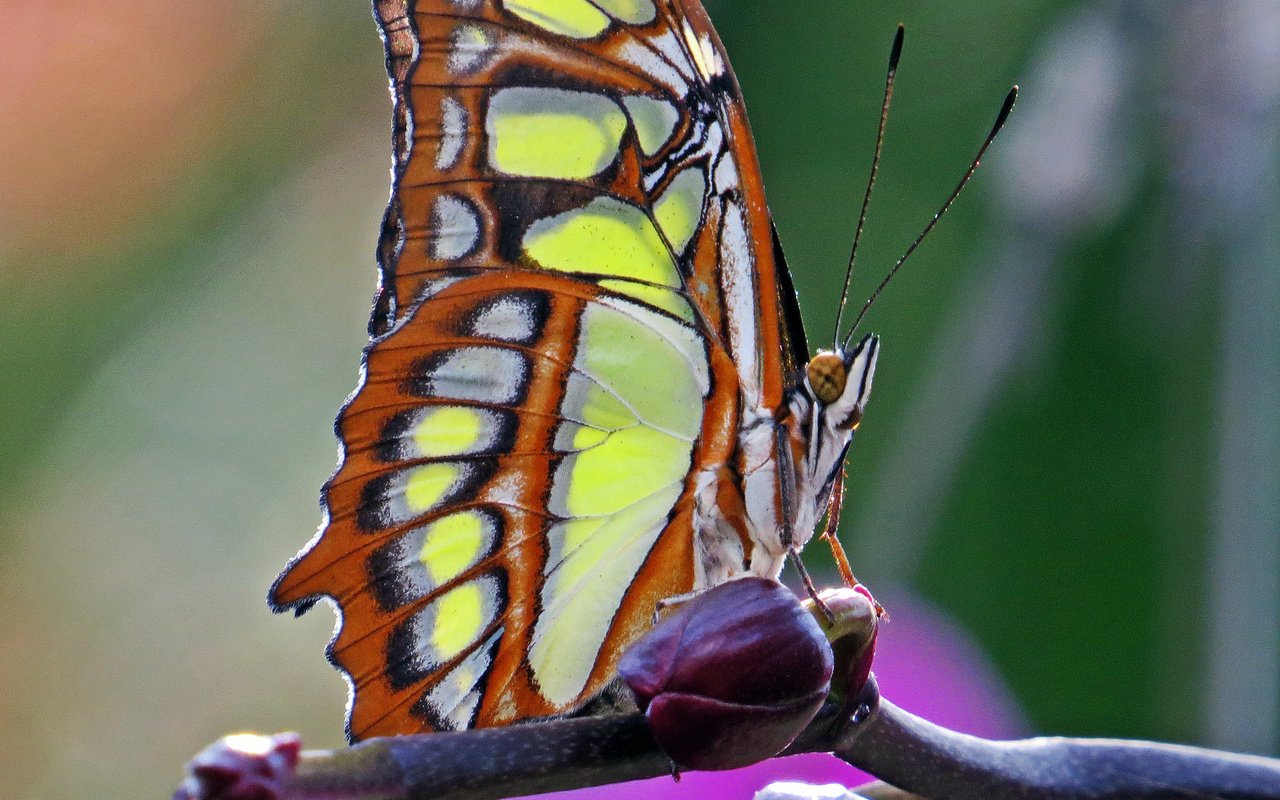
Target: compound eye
point(827, 377)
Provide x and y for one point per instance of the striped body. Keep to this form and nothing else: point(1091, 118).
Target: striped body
point(584, 391)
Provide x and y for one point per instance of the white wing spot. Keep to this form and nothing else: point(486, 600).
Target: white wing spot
point(470, 48)
point(455, 228)
point(483, 374)
point(453, 133)
point(511, 319)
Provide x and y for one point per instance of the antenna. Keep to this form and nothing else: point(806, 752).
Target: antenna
point(995, 129)
point(894, 55)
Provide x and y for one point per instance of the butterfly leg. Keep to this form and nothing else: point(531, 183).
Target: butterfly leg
point(837, 550)
point(830, 530)
point(810, 588)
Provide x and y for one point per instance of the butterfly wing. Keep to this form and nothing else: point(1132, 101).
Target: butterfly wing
point(578, 294)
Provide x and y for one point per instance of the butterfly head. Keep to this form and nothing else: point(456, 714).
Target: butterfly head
point(823, 411)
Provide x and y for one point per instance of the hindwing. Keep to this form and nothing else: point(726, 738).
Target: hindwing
point(579, 293)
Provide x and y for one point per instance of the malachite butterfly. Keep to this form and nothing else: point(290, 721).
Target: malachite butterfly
point(588, 388)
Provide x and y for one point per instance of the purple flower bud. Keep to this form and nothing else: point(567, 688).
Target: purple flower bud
point(732, 676)
point(851, 625)
point(243, 766)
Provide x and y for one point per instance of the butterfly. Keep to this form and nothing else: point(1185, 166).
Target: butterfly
point(588, 388)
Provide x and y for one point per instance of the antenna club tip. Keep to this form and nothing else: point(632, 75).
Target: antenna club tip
point(896, 53)
point(1005, 109)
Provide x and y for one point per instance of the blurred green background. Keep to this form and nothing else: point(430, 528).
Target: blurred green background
point(1073, 448)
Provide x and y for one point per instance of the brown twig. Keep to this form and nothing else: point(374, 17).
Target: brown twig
point(931, 761)
point(909, 752)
